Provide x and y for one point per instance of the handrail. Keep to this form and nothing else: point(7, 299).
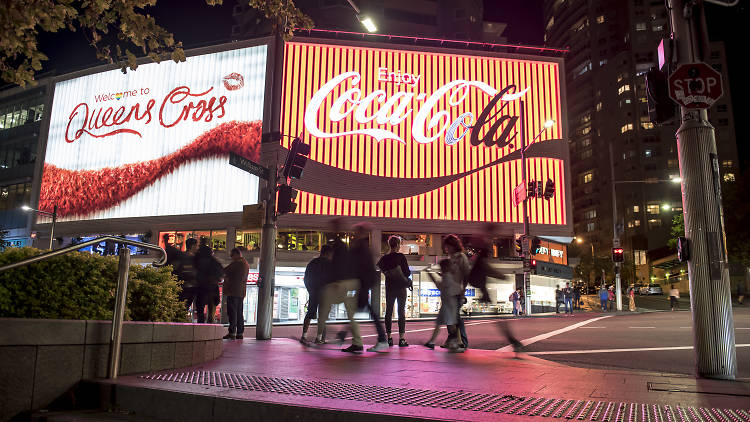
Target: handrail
point(123, 270)
point(72, 248)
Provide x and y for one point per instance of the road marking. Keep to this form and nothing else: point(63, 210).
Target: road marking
point(641, 327)
point(540, 337)
point(741, 328)
point(593, 327)
point(641, 349)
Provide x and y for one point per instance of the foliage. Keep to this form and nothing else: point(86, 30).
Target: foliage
point(736, 207)
point(678, 230)
point(82, 286)
point(116, 29)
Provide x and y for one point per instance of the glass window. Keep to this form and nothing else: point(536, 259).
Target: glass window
point(652, 208)
point(588, 177)
point(636, 208)
point(247, 239)
point(600, 19)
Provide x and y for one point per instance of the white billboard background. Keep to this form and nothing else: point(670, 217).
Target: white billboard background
point(204, 185)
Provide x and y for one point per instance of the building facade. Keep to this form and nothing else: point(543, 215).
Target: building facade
point(613, 143)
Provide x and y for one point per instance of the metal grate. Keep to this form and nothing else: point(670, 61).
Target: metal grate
point(460, 400)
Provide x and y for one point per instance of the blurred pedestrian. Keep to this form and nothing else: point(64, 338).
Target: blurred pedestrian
point(568, 297)
point(674, 297)
point(396, 271)
point(362, 257)
point(611, 297)
point(480, 267)
point(515, 299)
point(631, 294)
point(235, 288)
point(741, 291)
point(186, 272)
point(449, 292)
point(318, 273)
point(173, 254)
point(559, 299)
point(603, 297)
point(344, 290)
point(209, 275)
point(460, 268)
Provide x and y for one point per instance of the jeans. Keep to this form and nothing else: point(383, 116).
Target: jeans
point(604, 304)
point(235, 315)
point(515, 307)
point(390, 298)
point(568, 305)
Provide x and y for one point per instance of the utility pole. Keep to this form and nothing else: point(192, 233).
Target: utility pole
point(267, 279)
point(710, 297)
point(616, 233)
point(526, 249)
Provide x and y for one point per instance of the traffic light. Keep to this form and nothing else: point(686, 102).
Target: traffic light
point(531, 191)
point(536, 245)
point(286, 196)
point(519, 245)
point(661, 108)
point(617, 254)
point(549, 189)
point(539, 189)
point(296, 159)
point(532, 264)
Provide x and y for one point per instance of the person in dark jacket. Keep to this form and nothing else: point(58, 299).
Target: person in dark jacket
point(317, 274)
point(396, 270)
point(186, 272)
point(209, 274)
point(362, 258)
point(568, 298)
point(173, 254)
point(559, 299)
point(235, 288)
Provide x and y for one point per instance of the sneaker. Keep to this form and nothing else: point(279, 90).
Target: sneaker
point(390, 341)
point(320, 341)
point(229, 337)
point(380, 346)
point(353, 349)
point(239, 337)
point(430, 346)
point(402, 342)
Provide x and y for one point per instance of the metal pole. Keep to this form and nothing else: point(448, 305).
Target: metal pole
point(115, 338)
point(710, 300)
point(52, 229)
point(526, 250)
point(267, 281)
point(616, 234)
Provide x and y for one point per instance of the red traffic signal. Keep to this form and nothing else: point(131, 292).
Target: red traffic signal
point(618, 254)
point(286, 196)
point(296, 159)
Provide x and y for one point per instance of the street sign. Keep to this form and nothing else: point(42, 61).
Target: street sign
point(252, 216)
point(695, 85)
point(248, 165)
point(519, 194)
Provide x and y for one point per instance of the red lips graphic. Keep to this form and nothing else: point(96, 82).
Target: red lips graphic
point(233, 81)
point(81, 192)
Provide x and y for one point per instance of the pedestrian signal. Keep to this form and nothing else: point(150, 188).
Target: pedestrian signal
point(536, 245)
point(531, 191)
point(286, 197)
point(549, 189)
point(296, 159)
point(618, 254)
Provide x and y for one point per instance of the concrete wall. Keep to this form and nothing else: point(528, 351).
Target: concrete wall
point(41, 360)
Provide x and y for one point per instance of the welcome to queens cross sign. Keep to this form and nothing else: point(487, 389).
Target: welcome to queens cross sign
point(421, 135)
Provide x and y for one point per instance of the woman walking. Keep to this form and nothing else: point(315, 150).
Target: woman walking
point(396, 270)
point(460, 269)
point(674, 297)
point(447, 314)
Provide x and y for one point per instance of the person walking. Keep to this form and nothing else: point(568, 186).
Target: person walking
point(235, 288)
point(674, 297)
point(209, 274)
point(741, 292)
point(515, 299)
point(447, 315)
point(558, 299)
point(568, 297)
point(362, 257)
point(318, 273)
point(577, 298)
point(460, 268)
point(186, 272)
point(611, 298)
point(396, 271)
point(631, 294)
point(603, 297)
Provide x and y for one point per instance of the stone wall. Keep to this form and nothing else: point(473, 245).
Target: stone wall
point(42, 359)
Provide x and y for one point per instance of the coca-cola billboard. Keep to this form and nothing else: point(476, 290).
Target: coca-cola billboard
point(423, 135)
point(156, 141)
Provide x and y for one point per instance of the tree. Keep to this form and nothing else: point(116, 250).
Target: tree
point(115, 29)
point(678, 230)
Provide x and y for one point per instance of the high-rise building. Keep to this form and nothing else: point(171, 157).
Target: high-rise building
point(449, 19)
point(612, 45)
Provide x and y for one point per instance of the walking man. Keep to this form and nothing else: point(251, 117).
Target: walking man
point(603, 297)
point(317, 274)
point(515, 298)
point(362, 257)
point(186, 272)
point(568, 297)
point(631, 293)
point(558, 299)
point(235, 288)
point(674, 297)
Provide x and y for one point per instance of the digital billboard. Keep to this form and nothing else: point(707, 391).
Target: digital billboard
point(156, 141)
point(423, 135)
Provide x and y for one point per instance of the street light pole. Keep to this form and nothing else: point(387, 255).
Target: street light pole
point(52, 214)
point(525, 249)
point(616, 233)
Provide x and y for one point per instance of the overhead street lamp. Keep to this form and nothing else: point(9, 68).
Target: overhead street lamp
point(52, 214)
point(368, 23)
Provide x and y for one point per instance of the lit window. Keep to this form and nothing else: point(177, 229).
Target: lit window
point(652, 209)
point(729, 177)
point(624, 88)
point(602, 62)
point(726, 163)
point(648, 153)
point(586, 142)
point(589, 214)
point(636, 208)
point(626, 128)
point(647, 125)
point(590, 227)
point(657, 28)
point(600, 19)
point(640, 26)
point(588, 177)
point(599, 106)
point(642, 100)
point(637, 223)
point(654, 222)
point(639, 257)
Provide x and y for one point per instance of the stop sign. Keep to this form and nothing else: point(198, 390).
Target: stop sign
point(695, 85)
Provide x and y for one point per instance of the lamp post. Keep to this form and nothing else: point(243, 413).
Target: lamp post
point(366, 21)
point(52, 214)
point(526, 274)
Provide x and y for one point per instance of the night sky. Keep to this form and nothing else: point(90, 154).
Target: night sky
point(203, 25)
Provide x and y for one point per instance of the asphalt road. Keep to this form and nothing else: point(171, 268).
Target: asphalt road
point(651, 341)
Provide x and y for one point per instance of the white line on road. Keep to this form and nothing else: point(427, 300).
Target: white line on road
point(641, 349)
point(641, 327)
point(593, 327)
point(540, 337)
point(741, 328)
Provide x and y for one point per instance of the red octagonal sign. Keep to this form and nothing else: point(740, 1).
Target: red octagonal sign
point(695, 85)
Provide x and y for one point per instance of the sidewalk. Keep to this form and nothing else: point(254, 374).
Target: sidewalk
point(283, 380)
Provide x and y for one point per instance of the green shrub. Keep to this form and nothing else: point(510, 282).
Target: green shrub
point(80, 285)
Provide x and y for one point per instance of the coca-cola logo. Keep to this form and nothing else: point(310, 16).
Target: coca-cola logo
point(387, 111)
point(181, 104)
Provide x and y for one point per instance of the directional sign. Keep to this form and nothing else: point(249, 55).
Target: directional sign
point(248, 165)
point(695, 85)
point(519, 194)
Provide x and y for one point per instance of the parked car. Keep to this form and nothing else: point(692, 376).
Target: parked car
point(652, 289)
